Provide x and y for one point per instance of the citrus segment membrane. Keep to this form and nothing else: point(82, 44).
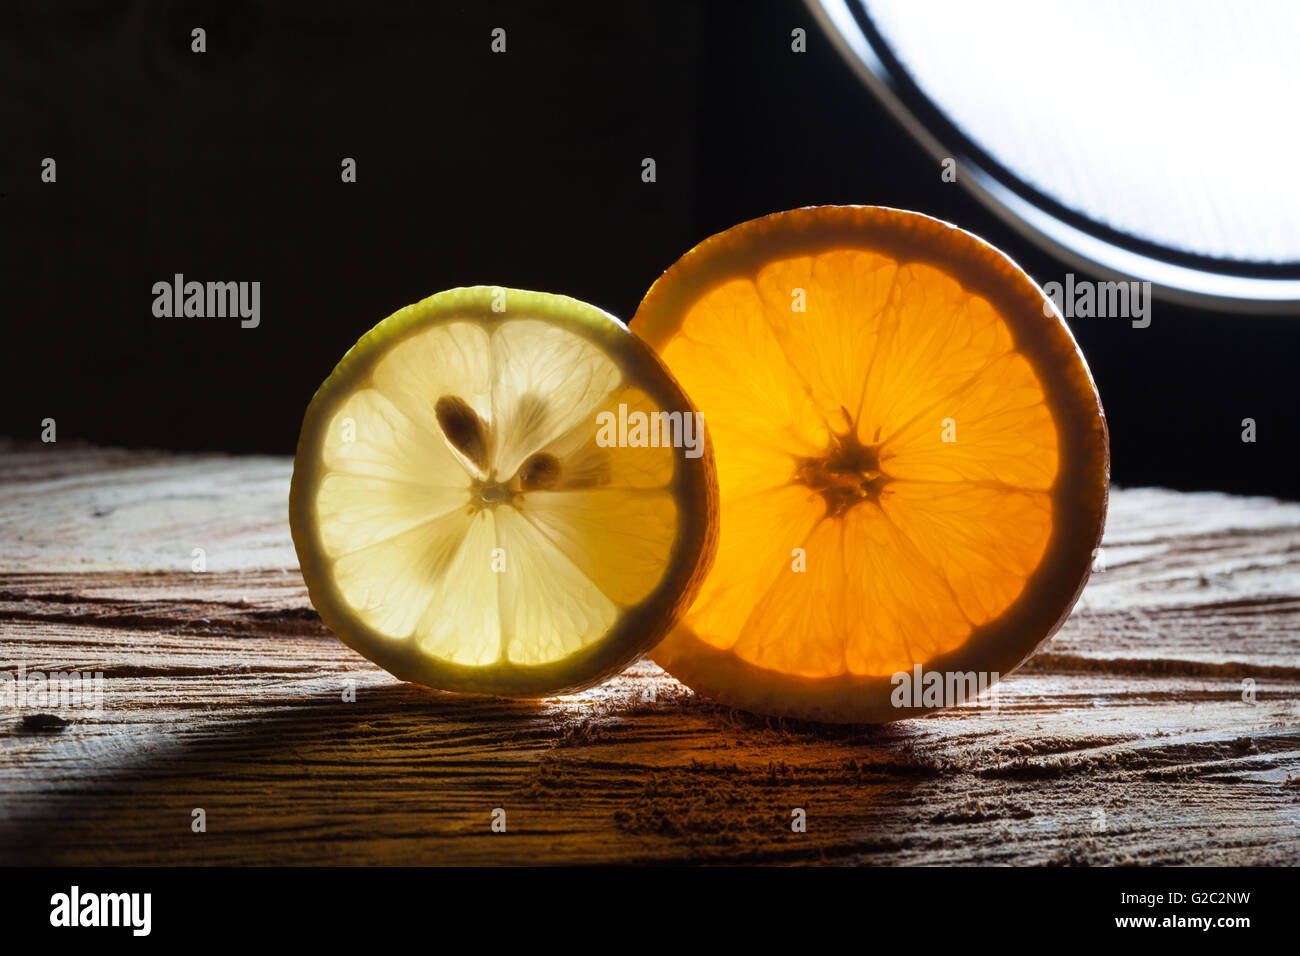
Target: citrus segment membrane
point(462, 517)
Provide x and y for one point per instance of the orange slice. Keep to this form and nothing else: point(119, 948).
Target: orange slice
point(912, 461)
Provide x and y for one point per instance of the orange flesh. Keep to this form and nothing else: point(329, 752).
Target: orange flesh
point(873, 422)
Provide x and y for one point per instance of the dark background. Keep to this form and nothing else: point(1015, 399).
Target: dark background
point(522, 170)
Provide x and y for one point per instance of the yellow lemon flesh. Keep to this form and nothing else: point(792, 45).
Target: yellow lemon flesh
point(502, 492)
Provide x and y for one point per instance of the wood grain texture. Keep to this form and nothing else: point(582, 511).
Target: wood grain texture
point(1127, 740)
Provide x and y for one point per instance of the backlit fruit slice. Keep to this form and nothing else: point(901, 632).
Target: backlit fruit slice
point(912, 461)
point(475, 507)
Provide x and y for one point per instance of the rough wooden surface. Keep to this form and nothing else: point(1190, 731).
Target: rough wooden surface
point(1128, 740)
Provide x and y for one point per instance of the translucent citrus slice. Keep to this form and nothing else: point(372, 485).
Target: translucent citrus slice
point(912, 461)
point(502, 492)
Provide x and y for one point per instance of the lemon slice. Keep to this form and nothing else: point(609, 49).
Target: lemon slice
point(502, 492)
